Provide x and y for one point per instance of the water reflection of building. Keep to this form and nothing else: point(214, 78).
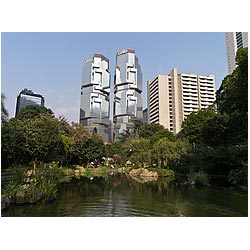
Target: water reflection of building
point(95, 94)
point(27, 98)
point(127, 92)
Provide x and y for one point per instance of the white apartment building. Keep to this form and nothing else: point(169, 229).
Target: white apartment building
point(234, 41)
point(172, 97)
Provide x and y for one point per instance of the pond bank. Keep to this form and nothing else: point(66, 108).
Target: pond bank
point(121, 195)
point(32, 189)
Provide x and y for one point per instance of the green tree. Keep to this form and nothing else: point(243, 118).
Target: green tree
point(80, 136)
point(232, 95)
point(64, 127)
point(162, 133)
point(149, 130)
point(215, 132)
point(13, 143)
point(114, 148)
point(160, 150)
point(94, 131)
point(125, 135)
point(154, 132)
point(193, 126)
point(65, 148)
point(232, 99)
point(223, 135)
point(141, 151)
point(136, 131)
point(67, 140)
point(33, 111)
point(42, 139)
point(4, 111)
point(169, 152)
point(95, 149)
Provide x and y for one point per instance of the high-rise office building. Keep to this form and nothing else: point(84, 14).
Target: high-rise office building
point(234, 41)
point(172, 97)
point(95, 94)
point(28, 98)
point(127, 92)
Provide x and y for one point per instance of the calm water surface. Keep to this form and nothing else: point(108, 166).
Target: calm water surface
point(123, 196)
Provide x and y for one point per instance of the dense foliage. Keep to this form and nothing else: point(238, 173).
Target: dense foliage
point(33, 111)
point(219, 135)
point(149, 145)
point(37, 137)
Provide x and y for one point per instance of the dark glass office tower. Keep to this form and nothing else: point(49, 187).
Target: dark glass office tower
point(26, 98)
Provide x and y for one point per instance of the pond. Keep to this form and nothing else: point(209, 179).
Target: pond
point(123, 196)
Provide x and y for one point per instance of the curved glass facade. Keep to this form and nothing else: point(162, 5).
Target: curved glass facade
point(95, 93)
point(127, 92)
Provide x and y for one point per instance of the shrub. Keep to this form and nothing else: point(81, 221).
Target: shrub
point(10, 190)
point(165, 172)
point(48, 189)
point(198, 178)
point(238, 176)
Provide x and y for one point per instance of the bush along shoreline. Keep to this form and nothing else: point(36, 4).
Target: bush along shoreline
point(30, 189)
point(42, 185)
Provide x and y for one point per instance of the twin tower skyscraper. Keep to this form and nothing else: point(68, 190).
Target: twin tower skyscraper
point(96, 95)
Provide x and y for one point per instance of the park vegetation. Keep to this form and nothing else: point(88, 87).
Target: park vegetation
point(212, 142)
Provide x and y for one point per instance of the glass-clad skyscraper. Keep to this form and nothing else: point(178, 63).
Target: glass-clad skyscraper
point(27, 98)
point(127, 92)
point(234, 41)
point(95, 93)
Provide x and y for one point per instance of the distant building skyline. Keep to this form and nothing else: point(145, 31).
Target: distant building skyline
point(27, 97)
point(51, 62)
point(172, 97)
point(234, 41)
point(127, 92)
point(95, 96)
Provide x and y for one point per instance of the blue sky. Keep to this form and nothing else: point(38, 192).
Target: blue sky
point(51, 63)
